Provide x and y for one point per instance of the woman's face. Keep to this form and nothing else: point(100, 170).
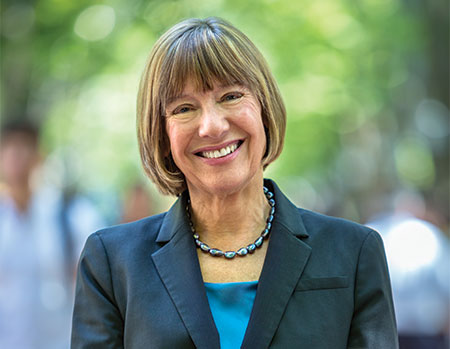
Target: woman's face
point(217, 138)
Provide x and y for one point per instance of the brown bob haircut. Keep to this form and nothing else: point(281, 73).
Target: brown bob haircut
point(205, 51)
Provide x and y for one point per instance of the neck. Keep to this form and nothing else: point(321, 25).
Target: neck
point(20, 194)
point(229, 222)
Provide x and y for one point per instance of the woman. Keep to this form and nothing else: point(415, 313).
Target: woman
point(233, 262)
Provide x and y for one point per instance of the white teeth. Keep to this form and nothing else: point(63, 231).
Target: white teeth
point(220, 153)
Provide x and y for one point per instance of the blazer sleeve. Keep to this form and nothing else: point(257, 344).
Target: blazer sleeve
point(97, 322)
point(373, 324)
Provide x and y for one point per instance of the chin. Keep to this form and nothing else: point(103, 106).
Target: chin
point(226, 185)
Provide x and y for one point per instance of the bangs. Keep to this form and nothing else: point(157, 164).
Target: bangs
point(204, 57)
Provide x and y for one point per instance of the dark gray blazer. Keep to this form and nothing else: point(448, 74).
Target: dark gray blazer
point(324, 284)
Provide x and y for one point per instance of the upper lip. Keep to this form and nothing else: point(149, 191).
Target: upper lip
point(216, 147)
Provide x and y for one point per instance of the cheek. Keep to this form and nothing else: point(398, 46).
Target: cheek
point(178, 140)
point(255, 128)
point(260, 135)
point(171, 132)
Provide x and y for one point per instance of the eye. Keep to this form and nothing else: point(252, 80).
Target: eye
point(231, 96)
point(182, 109)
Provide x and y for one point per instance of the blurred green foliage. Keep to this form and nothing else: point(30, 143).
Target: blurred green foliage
point(365, 84)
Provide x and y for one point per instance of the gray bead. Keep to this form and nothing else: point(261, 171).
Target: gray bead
point(242, 251)
point(259, 241)
point(270, 219)
point(196, 236)
point(229, 254)
point(215, 252)
point(265, 190)
point(268, 226)
point(269, 195)
point(204, 247)
point(265, 233)
point(251, 248)
point(272, 202)
point(198, 242)
point(272, 210)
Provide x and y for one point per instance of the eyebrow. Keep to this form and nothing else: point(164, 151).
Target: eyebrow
point(175, 98)
point(220, 86)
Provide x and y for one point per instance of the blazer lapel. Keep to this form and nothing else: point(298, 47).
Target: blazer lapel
point(178, 267)
point(285, 261)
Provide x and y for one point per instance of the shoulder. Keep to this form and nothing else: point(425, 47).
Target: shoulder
point(316, 226)
point(128, 237)
point(338, 234)
point(317, 223)
point(318, 230)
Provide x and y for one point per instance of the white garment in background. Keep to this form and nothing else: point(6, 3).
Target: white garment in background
point(418, 255)
point(36, 295)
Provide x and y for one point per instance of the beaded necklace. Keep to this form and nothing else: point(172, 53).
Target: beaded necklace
point(243, 251)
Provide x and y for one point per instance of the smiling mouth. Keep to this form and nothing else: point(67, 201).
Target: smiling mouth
point(220, 153)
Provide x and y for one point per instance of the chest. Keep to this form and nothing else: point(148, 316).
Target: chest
point(238, 269)
point(171, 310)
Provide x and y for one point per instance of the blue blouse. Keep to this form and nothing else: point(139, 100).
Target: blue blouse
point(231, 305)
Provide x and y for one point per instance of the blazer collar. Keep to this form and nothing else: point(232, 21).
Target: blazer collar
point(174, 220)
point(178, 267)
point(286, 213)
point(286, 258)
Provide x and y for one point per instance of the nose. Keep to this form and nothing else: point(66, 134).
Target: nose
point(213, 122)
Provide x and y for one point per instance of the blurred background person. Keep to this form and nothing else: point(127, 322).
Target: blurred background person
point(42, 229)
point(137, 203)
point(418, 255)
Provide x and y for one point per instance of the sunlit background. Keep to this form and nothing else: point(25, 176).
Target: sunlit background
point(366, 86)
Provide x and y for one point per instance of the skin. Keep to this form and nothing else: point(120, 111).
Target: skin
point(228, 206)
point(18, 158)
point(137, 204)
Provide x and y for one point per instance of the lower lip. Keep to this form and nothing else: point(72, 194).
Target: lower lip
point(223, 160)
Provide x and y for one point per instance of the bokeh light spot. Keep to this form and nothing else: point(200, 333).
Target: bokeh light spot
point(432, 118)
point(95, 22)
point(411, 245)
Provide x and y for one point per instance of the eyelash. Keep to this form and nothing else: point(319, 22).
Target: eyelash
point(178, 110)
point(237, 96)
